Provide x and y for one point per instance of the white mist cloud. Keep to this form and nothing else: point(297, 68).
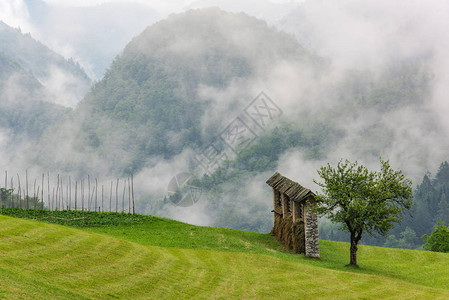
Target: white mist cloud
point(4, 143)
point(15, 14)
point(94, 34)
point(66, 89)
point(270, 11)
point(369, 33)
point(197, 214)
point(369, 36)
point(154, 179)
point(293, 165)
point(350, 34)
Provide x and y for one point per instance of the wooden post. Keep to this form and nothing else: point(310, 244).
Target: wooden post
point(82, 196)
point(56, 200)
point(6, 189)
point(56, 203)
point(20, 192)
point(123, 198)
point(26, 191)
point(76, 189)
point(52, 203)
point(295, 210)
point(67, 218)
point(58, 196)
point(35, 201)
point(12, 192)
point(92, 197)
point(1, 200)
point(110, 197)
point(88, 193)
point(284, 205)
point(42, 197)
point(70, 192)
point(34, 198)
point(102, 196)
point(129, 197)
point(132, 192)
point(61, 196)
point(96, 193)
point(25, 202)
point(48, 190)
point(116, 197)
point(66, 196)
point(275, 200)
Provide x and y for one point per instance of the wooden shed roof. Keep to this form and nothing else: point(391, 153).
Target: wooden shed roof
point(292, 189)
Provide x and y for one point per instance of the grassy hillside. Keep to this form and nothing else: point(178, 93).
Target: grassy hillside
point(167, 259)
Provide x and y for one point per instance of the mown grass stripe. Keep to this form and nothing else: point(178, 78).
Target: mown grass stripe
point(81, 265)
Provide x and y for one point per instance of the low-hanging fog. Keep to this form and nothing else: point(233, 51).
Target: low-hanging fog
point(355, 42)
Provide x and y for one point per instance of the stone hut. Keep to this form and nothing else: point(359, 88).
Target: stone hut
point(295, 220)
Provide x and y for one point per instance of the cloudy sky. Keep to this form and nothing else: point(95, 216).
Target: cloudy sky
point(79, 29)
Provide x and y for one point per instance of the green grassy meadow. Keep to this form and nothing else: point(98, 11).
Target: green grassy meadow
point(158, 258)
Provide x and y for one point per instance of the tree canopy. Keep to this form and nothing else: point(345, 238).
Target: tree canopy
point(362, 200)
point(439, 239)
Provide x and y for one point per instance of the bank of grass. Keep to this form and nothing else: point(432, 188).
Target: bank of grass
point(160, 258)
point(420, 267)
point(77, 218)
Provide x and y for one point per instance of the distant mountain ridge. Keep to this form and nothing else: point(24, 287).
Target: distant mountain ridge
point(9, 67)
point(60, 76)
point(27, 107)
point(33, 55)
point(101, 31)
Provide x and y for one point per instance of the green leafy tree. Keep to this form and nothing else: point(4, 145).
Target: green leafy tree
point(362, 200)
point(438, 241)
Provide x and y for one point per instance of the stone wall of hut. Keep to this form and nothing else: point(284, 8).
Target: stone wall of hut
point(312, 246)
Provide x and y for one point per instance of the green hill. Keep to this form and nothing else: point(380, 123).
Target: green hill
point(161, 258)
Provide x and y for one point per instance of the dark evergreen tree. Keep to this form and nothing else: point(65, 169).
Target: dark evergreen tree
point(442, 176)
point(443, 210)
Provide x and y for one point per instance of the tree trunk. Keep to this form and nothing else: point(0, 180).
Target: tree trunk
point(353, 253)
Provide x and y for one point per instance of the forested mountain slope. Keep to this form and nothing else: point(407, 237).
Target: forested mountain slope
point(24, 108)
point(63, 78)
point(177, 85)
point(149, 104)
